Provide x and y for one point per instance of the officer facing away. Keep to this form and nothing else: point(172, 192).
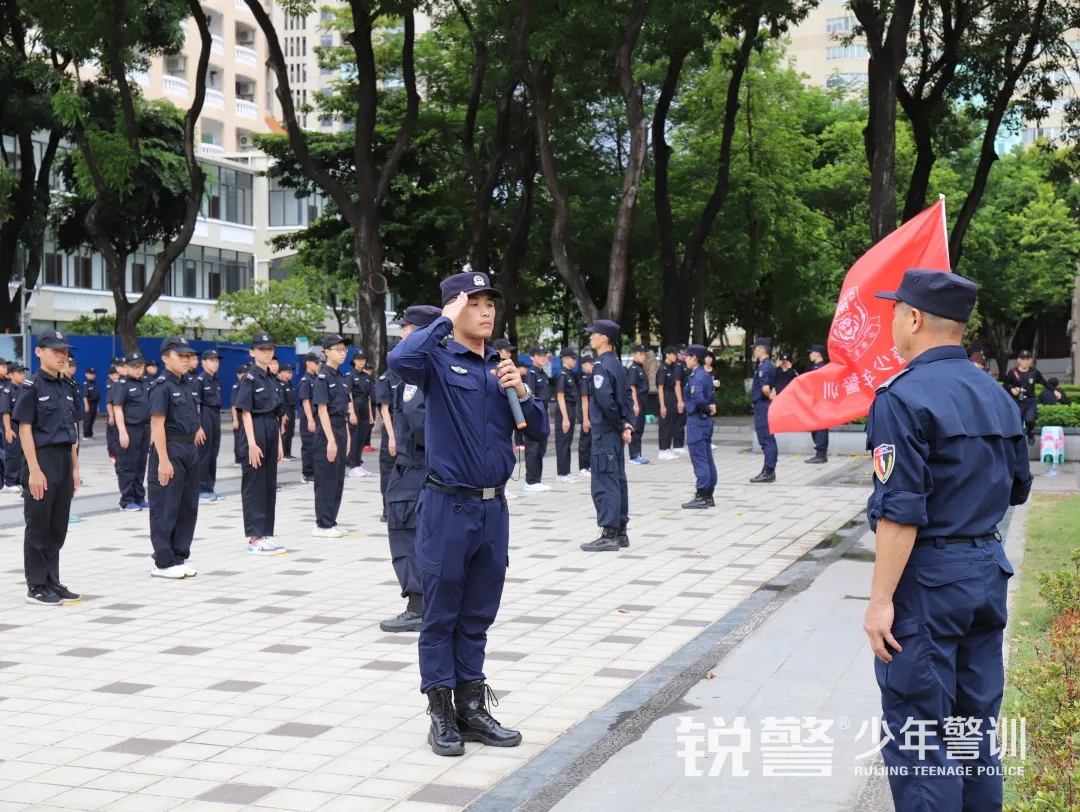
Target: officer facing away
point(611, 415)
point(330, 397)
point(949, 460)
point(403, 487)
point(463, 524)
point(175, 469)
point(821, 436)
point(762, 391)
point(700, 408)
point(47, 412)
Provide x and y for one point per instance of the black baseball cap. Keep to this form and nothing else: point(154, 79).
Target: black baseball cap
point(605, 327)
point(15, 366)
point(697, 350)
point(538, 350)
point(240, 370)
point(177, 344)
point(640, 348)
point(261, 341)
point(316, 354)
point(119, 362)
point(587, 358)
point(785, 356)
point(135, 358)
point(566, 352)
point(681, 348)
point(89, 370)
point(467, 282)
point(502, 344)
point(210, 355)
point(285, 368)
point(671, 349)
point(359, 353)
point(112, 371)
point(1024, 354)
point(331, 340)
point(941, 293)
point(53, 340)
point(818, 348)
point(763, 342)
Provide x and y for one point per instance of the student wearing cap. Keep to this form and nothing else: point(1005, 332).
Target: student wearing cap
point(821, 436)
point(47, 410)
point(638, 380)
point(463, 523)
point(13, 453)
point(611, 415)
point(330, 398)
point(151, 369)
point(210, 420)
point(117, 371)
point(361, 389)
point(566, 398)
point(240, 372)
point(258, 401)
point(785, 372)
point(700, 408)
point(584, 393)
point(288, 410)
point(669, 386)
point(385, 398)
point(91, 398)
point(313, 362)
point(1020, 381)
point(762, 392)
point(403, 488)
point(538, 381)
point(949, 459)
point(678, 432)
point(131, 409)
point(175, 468)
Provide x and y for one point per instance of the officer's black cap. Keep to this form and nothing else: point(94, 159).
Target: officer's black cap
point(566, 352)
point(240, 370)
point(89, 370)
point(210, 355)
point(285, 368)
point(359, 353)
point(763, 342)
point(419, 316)
point(467, 282)
point(177, 344)
point(502, 344)
point(818, 348)
point(15, 366)
point(53, 340)
point(587, 358)
point(317, 355)
point(1024, 354)
point(697, 350)
point(119, 362)
point(941, 293)
point(112, 371)
point(671, 349)
point(640, 348)
point(261, 341)
point(538, 350)
point(135, 358)
point(605, 327)
point(3, 362)
point(71, 359)
point(332, 340)
point(681, 348)
point(785, 356)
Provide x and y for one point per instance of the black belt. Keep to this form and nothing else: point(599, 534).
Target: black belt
point(956, 540)
point(179, 438)
point(475, 493)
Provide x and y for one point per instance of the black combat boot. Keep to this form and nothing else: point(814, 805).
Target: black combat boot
point(473, 719)
point(624, 540)
point(698, 502)
point(767, 475)
point(709, 497)
point(444, 736)
point(607, 543)
point(410, 619)
point(819, 458)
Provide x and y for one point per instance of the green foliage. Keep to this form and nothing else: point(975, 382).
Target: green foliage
point(1064, 416)
point(285, 310)
point(148, 327)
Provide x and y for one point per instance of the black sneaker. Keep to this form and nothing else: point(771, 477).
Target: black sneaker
point(42, 596)
point(65, 595)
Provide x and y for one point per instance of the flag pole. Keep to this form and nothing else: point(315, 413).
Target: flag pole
point(944, 222)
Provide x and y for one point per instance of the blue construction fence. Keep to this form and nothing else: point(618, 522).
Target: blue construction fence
point(98, 352)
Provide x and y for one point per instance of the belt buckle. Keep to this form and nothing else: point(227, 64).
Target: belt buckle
point(488, 493)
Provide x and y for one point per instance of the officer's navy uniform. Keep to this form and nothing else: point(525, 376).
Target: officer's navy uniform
point(13, 453)
point(638, 379)
point(585, 440)
point(678, 429)
point(132, 396)
point(821, 436)
point(949, 459)
point(210, 421)
point(463, 524)
point(667, 376)
point(112, 433)
point(307, 438)
point(566, 383)
point(258, 396)
point(359, 393)
point(288, 409)
point(93, 398)
point(764, 375)
point(385, 392)
point(536, 448)
point(331, 389)
point(48, 404)
point(240, 425)
point(698, 397)
point(174, 508)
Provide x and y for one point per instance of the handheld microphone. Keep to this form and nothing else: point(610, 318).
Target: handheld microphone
point(515, 407)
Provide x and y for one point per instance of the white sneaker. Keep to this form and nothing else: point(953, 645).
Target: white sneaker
point(566, 479)
point(174, 573)
point(680, 452)
point(357, 472)
point(664, 455)
point(265, 547)
point(13, 489)
point(510, 496)
point(364, 472)
point(328, 533)
point(585, 473)
point(535, 487)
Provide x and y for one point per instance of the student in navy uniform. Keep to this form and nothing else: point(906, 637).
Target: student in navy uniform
point(785, 373)
point(678, 433)
point(285, 374)
point(330, 399)
point(210, 420)
point(611, 415)
point(566, 399)
point(1020, 381)
point(91, 398)
point(112, 441)
point(240, 372)
point(538, 381)
point(463, 523)
point(949, 459)
point(8, 393)
point(700, 408)
point(175, 467)
point(762, 392)
point(362, 386)
point(47, 410)
point(312, 363)
point(506, 352)
point(584, 393)
point(385, 389)
point(820, 437)
point(638, 380)
point(403, 488)
point(1050, 396)
point(151, 369)
point(131, 409)
point(3, 443)
point(669, 387)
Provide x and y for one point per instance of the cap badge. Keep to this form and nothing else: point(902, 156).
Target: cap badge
point(478, 280)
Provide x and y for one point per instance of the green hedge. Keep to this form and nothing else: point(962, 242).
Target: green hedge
point(1064, 416)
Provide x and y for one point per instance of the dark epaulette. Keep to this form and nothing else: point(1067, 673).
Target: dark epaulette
point(890, 381)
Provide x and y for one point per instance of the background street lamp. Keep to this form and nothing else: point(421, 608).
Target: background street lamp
point(98, 313)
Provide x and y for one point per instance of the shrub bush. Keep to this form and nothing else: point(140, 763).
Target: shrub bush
point(1064, 416)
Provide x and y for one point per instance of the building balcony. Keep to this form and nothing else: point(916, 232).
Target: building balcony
point(215, 98)
point(210, 150)
point(217, 44)
point(247, 56)
point(175, 86)
point(246, 109)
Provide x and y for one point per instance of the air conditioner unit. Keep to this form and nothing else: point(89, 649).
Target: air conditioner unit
point(244, 141)
point(176, 62)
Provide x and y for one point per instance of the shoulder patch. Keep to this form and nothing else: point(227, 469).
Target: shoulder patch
point(250, 377)
point(29, 383)
point(884, 461)
point(382, 377)
point(889, 382)
point(409, 392)
point(598, 381)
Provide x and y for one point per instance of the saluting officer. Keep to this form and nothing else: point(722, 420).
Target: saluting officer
point(700, 408)
point(762, 392)
point(288, 407)
point(949, 459)
point(638, 381)
point(611, 415)
point(463, 524)
point(403, 488)
point(175, 469)
point(566, 399)
point(131, 410)
point(258, 400)
point(821, 436)
point(312, 363)
point(584, 393)
point(13, 452)
point(47, 412)
point(538, 381)
point(330, 397)
point(362, 386)
point(210, 419)
point(91, 399)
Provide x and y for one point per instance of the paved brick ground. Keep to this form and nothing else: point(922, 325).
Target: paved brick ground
point(266, 683)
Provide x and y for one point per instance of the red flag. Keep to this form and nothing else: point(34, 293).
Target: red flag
point(861, 351)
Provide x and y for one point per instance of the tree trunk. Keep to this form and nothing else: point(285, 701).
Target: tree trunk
point(510, 276)
point(674, 313)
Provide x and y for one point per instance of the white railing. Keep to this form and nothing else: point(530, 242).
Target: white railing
point(246, 56)
point(175, 85)
point(210, 150)
point(217, 44)
point(246, 109)
point(140, 76)
point(240, 4)
point(215, 98)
